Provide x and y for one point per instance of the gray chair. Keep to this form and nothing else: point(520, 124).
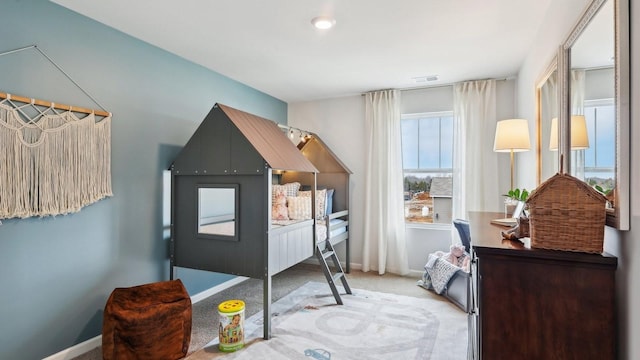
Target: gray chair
point(465, 235)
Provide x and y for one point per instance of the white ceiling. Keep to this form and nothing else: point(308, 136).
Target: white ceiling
point(376, 44)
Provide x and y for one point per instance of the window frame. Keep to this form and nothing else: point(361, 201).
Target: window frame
point(434, 171)
point(595, 103)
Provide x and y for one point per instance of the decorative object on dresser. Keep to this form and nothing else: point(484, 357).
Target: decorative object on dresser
point(538, 303)
point(565, 213)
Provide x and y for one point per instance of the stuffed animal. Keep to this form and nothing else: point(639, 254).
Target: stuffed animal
point(456, 256)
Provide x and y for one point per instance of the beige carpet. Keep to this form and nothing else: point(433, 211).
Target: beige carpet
point(205, 313)
point(307, 323)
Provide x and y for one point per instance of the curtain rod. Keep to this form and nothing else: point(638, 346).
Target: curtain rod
point(44, 103)
point(438, 86)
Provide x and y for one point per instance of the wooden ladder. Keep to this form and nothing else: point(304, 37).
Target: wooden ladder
point(325, 250)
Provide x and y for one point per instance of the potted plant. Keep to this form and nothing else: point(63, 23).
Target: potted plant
point(518, 195)
point(513, 197)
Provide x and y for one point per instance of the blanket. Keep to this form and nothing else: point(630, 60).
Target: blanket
point(438, 272)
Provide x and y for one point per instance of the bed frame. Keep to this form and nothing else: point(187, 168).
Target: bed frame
point(242, 152)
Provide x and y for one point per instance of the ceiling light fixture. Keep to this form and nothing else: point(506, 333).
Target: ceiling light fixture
point(323, 22)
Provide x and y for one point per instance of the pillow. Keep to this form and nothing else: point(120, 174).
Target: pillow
point(290, 189)
point(299, 207)
point(321, 199)
point(279, 209)
point(329, 203)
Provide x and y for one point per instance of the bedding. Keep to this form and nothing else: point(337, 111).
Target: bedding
point(438, 272)
point(322, 229)
point(447, 279)
point(278, 223)
point(290, 209)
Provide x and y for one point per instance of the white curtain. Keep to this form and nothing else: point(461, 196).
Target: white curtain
point(549, 110)
point(475, 164)
point(577, 108)
point(384, 235)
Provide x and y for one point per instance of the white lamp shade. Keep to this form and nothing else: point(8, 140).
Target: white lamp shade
point(512, 135)
point(579, 134)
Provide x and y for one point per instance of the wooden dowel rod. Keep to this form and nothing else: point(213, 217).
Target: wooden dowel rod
point(56, 105)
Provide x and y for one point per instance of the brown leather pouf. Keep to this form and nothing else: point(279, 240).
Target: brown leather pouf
point(151, 321)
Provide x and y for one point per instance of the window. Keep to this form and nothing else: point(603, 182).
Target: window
point(218, 211)
point(600, 157)
point(427, 160)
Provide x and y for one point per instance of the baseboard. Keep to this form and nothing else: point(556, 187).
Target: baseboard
point(218, 288)
point(88, 345)
point(415, 273)
point(77, 350)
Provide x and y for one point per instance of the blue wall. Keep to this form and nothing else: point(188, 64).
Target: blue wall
point(57, 272)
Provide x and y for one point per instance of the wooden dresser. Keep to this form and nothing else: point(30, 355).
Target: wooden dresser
point(539, 304)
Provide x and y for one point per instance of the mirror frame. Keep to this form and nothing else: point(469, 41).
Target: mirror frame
point(619, 217)
point(551, 68)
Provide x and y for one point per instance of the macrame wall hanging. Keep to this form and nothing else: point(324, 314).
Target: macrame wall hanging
point(54, 158)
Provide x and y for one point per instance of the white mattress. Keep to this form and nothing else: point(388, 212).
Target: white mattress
point(322, 229)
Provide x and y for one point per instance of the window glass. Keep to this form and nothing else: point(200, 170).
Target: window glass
point(217, 211)
point(427, 153)
point(429, 143)
point(599, 158)
point(410, 143)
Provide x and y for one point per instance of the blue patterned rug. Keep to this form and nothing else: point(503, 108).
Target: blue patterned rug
point(307, 324)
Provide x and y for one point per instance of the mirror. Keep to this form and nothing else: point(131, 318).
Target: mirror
point(218, 211)
point(594, 121)
point(546, 111)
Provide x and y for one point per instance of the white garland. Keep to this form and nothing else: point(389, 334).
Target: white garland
point(55, 165)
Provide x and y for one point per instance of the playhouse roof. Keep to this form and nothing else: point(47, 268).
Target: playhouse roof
point(269, 140)
point(321, 156)
point(233, 141)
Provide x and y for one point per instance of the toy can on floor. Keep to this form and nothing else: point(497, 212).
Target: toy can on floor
point(231, 326)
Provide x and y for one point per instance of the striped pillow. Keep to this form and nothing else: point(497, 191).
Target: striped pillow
point(299, 207)
point(321, 201)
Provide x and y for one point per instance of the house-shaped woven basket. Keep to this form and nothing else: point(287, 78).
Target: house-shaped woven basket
point(565, 213)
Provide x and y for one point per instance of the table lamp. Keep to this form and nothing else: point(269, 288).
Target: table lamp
point(579, 135)
point(512, 135)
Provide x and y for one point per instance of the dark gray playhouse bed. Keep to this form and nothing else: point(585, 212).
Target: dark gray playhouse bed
point(221, 191)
